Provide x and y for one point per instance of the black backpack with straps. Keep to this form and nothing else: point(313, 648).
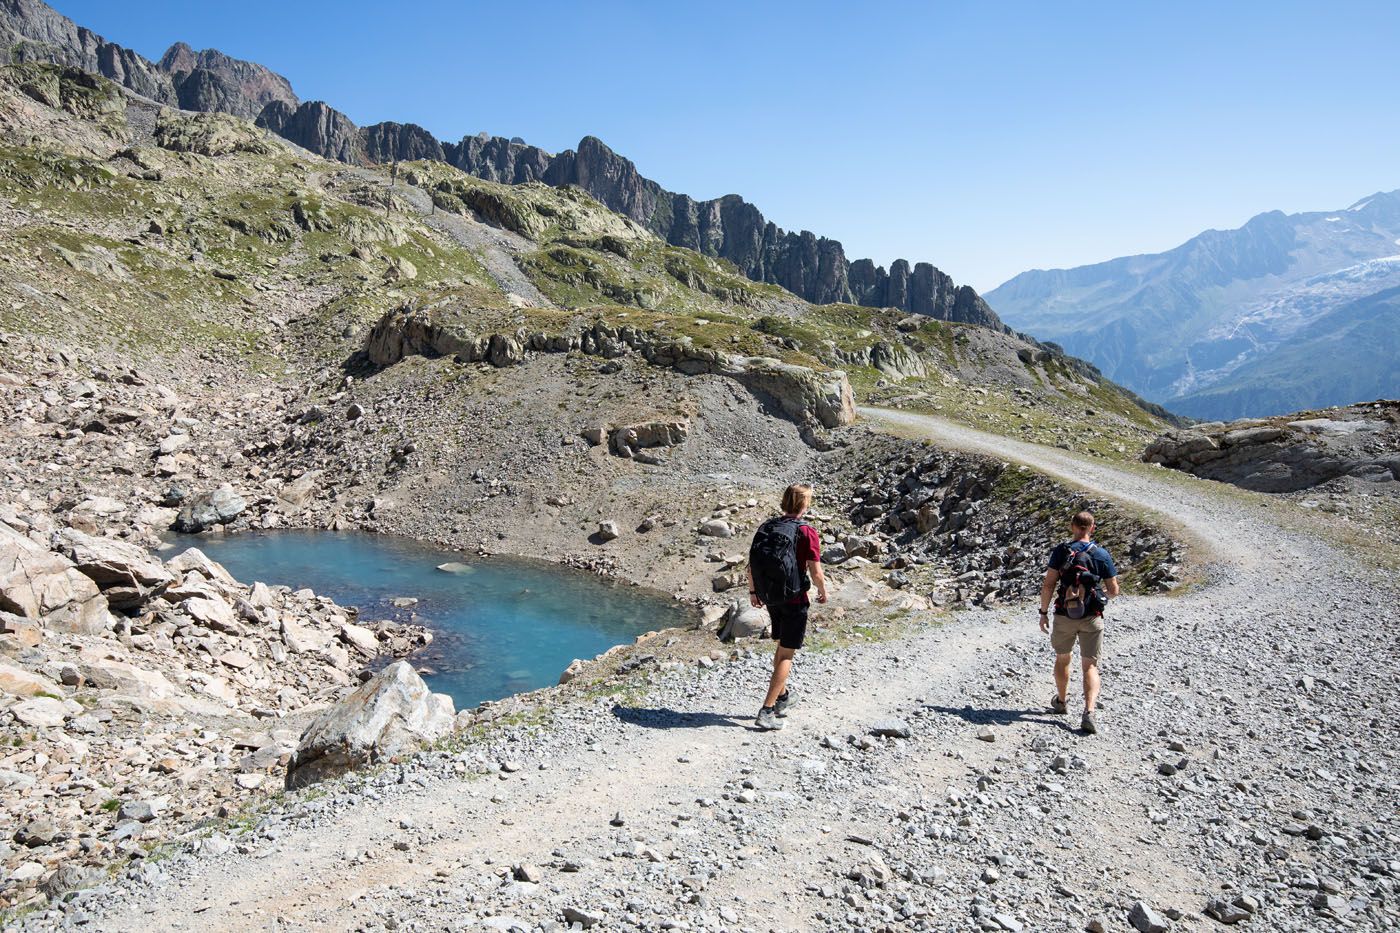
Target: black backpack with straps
point(777, 576)
point(1080, 597)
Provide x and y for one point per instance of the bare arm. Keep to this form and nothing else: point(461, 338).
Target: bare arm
point(753, 597)
point(814, 570)
point(1111, 585)
point(1047, 593)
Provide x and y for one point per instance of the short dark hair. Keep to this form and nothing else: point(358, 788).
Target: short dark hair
point(1082, 520)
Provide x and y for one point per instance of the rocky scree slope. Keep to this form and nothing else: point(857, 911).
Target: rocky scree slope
point(811, 267)
point(1233, 323)
point(141, 699)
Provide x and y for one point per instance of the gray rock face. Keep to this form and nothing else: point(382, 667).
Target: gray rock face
point(1289, 453)
point(208, 509)
point(205, 81)
point(210, 80)
point(390, 714)
point(399, 142)
point(496, 158)
point(315, 126)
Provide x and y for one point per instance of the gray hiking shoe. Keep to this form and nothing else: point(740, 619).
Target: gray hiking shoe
point(1057, 705)
point(768, 720)
point(1087, 724)
point(785, 701)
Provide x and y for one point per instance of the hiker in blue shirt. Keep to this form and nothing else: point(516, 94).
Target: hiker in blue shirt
point(1081, 577)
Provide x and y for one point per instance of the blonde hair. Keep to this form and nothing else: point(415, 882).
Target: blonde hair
point(1083, 521)
point(796, 497)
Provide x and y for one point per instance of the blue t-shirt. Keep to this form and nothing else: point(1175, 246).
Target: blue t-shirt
point(1102, 563)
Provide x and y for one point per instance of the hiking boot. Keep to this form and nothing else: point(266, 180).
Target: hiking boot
point(788, 698)
point(1087, 724)
point(768, 720)
point(1057, 705)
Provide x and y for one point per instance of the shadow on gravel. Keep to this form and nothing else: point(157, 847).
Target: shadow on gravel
point(671, 719)
point(1005, 717)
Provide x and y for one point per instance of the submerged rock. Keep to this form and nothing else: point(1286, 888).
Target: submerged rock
point(392, 713)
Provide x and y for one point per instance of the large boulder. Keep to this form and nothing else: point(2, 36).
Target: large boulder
point(17, 681)
point(126, 573)
point(629, 439)
point(391, 714)
point(743, 621)
point(38, 583)
point(208, 509)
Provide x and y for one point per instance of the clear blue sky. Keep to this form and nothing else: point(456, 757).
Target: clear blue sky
point(987, 138)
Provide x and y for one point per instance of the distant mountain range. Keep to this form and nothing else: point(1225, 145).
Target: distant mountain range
point(1289, 312)
point(812, 267)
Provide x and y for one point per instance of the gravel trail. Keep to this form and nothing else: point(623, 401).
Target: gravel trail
point(1247, 760)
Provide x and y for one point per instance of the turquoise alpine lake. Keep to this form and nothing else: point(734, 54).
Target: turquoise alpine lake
point(500, 626)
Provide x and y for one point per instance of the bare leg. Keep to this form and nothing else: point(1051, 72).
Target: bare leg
point(782, 667)
point(1091, 683)
point(1062, 675)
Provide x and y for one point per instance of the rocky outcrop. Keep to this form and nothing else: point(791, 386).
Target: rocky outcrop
point(392, 713)
point(209, 134)
point(205, 81)
point(495, 158)
point(126, 573)
point(210, 80)
point(315, 126)
point(630, 440)
point(1289, 453)
point(809, 397)
point(399, 142)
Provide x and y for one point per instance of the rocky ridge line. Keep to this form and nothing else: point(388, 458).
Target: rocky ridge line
point(208, 80)
point(813, 268)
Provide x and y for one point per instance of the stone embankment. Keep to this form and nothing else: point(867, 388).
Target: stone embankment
point(972, 530)
point(812, 399)
point(1290, 453)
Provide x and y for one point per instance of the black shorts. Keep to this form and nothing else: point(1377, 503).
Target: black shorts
point(789, 625)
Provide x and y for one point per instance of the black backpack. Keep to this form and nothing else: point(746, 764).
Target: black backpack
point(1079, 584)
point(777, 577)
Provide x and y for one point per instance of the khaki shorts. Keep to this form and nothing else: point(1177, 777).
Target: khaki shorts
point(1088, 632)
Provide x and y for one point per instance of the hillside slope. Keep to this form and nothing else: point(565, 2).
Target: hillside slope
point(814, 268)
point(1233, 323)
point(278, 292)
